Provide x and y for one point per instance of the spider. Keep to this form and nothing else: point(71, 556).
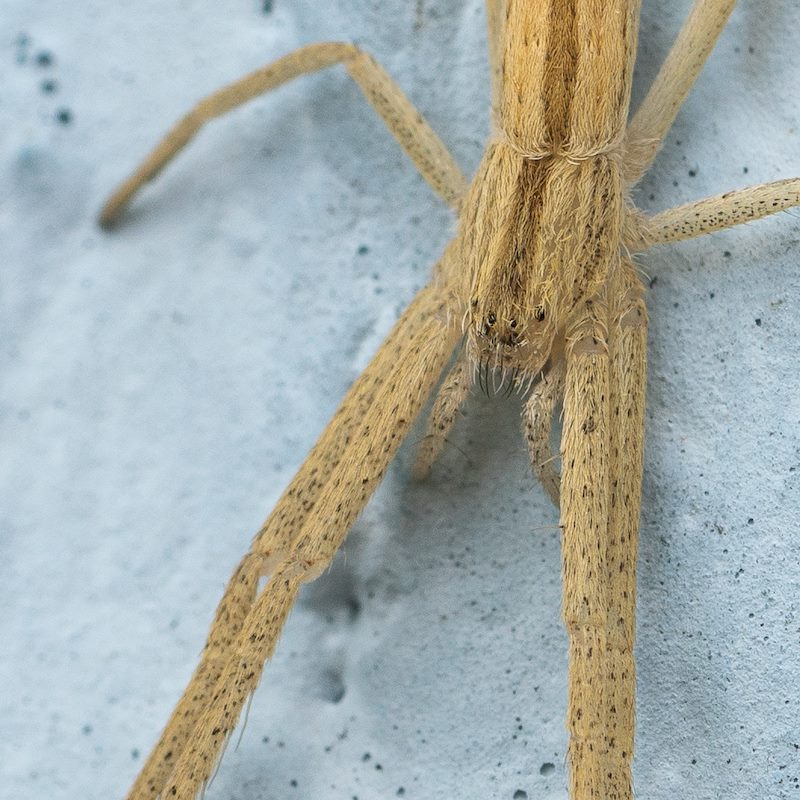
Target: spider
point(536, 294)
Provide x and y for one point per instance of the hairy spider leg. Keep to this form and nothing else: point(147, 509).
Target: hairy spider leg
point(406, 124)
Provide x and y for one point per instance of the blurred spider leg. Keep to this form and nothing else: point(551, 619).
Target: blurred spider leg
point(406, 124)
point(446, 407)
point(495, 23)
point(270, 546)
point(368, 452)
point(677, 75)
point(537, 423)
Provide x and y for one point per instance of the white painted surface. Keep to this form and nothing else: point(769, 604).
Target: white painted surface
point(161, 384)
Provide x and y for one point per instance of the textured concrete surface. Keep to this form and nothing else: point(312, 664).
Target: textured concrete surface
point(160, 385)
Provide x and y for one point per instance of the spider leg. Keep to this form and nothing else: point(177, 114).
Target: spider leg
point(628, 368)
point(537, 424)
point(658, 110)
point(495, 22)
point(443, 415)
point(371, 447)
point(585, 501)
point(407, 125)
point(277, 542)
point(713, 214)
point(602, 449)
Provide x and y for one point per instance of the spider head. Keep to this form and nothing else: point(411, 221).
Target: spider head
point(505, 339)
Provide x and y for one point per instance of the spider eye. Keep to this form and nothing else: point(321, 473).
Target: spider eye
point(513, 324)
point(538, 313)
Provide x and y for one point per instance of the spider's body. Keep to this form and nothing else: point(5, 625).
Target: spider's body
point(540, 280)
point(528, 264)
point(541, 224)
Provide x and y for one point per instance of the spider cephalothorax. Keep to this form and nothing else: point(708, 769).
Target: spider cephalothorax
point(507, 349)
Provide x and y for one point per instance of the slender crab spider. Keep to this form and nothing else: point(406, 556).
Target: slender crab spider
point(537, 293)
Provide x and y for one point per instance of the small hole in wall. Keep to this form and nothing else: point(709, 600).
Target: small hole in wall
point(333, 688)
point(547, 768)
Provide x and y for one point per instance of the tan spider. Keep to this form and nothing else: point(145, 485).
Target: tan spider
point(537, 293)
